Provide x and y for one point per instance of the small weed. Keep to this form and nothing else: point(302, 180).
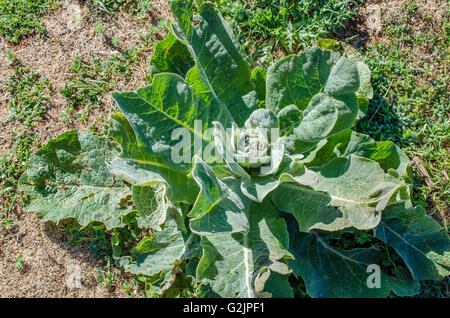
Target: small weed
point(105, 275)
point(115, 41)
point(99, 27)
point(136, 8)
point(19, 262)
point(130, 288)
point(5, 220)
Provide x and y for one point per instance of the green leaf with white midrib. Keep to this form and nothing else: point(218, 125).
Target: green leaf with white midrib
point(68, 179)
point(157, 110)
point(220, 206)
point(220, 68)
point(140, 168)
point(324, 267)
point(239, 264)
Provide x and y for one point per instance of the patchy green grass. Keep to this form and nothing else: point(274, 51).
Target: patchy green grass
point(91, 81)
point(137, 8)
point(19, 18)
point(411, 106)
point(12, 165)
point(28, 101)
point(29, 94)
point(412, 95)
point(266, 26)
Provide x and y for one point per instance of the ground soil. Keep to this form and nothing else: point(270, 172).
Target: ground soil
point(48, 258)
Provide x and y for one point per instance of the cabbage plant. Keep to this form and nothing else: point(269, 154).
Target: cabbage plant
point(269, 177)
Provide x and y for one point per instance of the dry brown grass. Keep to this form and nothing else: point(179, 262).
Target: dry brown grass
point(44, 248)
point(47, 258)
point(374, 14)
point(51, 55)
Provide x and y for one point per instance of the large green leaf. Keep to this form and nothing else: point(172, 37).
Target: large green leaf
point(295, 80)
point(141, 168)
point(171, 56)
point(239, 264)
point(348, 142)
point(68, 178)
point(349, 192)
point(220, 206)
point(220, 67)
point(325, 116)
point(329, 271)
point(418, 239)
point(158, 256)
point(167, 106)
point(315, 93)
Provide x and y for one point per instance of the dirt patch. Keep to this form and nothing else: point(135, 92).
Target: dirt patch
point(375, 14)
point(50, 266)
point(51, 55)
point(49, 262)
